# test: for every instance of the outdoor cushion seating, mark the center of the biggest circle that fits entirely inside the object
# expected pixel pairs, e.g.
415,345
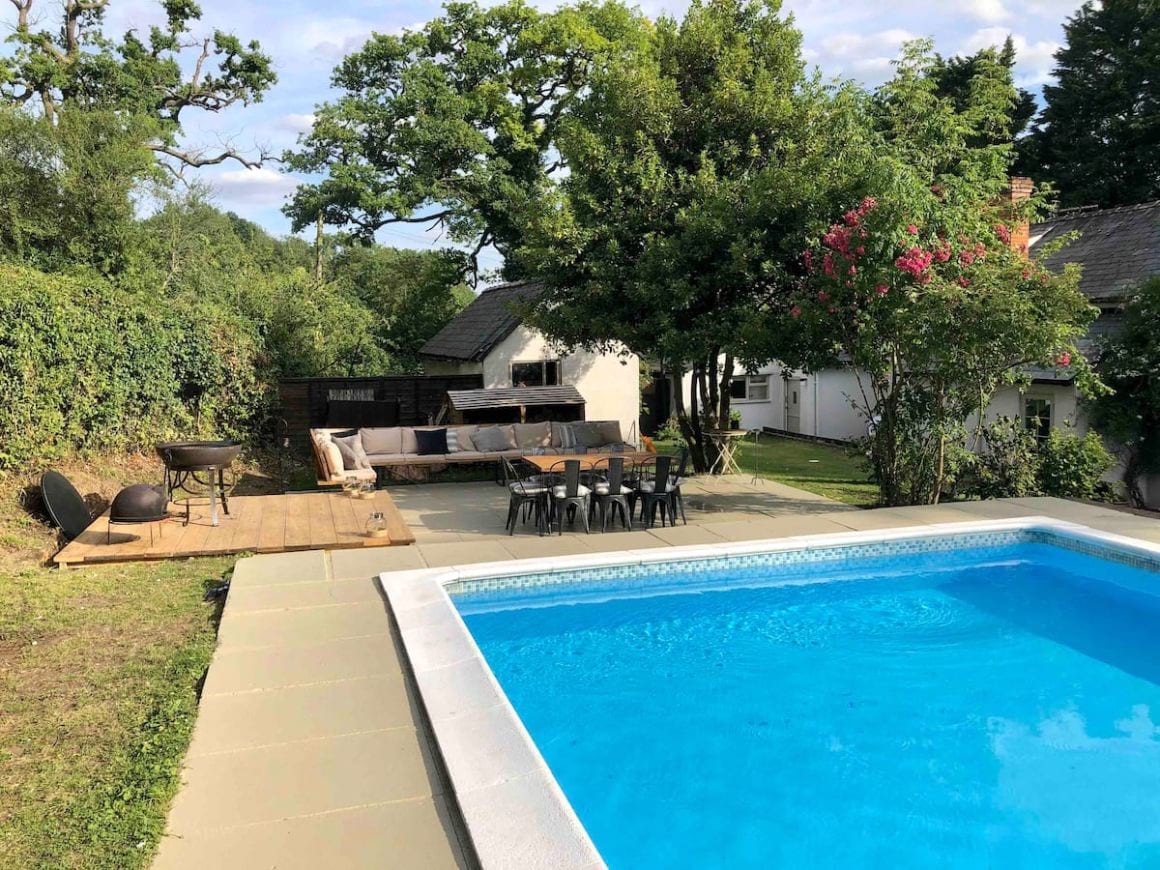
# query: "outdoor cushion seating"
353,455
398,446
560,490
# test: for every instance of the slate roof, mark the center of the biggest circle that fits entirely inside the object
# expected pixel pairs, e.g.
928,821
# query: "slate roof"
483,324
1118,247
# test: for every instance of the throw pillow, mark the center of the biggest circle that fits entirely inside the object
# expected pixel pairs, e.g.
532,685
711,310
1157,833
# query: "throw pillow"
353,455
532,435
609,431
385,440
331,458
587,435
567,437
431,442
494,439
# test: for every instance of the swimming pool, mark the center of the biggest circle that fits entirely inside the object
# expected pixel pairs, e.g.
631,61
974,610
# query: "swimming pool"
979,698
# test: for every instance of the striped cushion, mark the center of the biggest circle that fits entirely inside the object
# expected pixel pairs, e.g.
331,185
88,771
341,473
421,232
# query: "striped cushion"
453,441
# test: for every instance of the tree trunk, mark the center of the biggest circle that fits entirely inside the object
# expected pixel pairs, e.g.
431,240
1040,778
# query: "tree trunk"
688,420
726,399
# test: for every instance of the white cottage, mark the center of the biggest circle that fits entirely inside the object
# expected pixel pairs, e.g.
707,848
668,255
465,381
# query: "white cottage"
1118,248
488,338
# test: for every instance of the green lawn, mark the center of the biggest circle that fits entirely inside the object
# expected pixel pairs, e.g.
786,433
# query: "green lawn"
826,469
99,674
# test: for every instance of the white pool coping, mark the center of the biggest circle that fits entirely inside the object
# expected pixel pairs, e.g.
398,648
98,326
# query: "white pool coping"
515,812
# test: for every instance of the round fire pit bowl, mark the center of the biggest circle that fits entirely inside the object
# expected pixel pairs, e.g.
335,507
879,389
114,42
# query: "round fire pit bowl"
198,467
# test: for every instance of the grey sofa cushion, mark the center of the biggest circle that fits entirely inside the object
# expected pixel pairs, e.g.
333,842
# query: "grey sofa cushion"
493,439
563,437
459,439
587,435
382,440
532,435
353,455
610,431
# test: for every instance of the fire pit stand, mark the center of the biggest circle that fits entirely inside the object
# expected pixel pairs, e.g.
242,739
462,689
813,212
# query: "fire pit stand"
195,467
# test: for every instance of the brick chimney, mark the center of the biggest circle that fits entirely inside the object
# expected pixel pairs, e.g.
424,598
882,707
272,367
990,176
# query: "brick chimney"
1019,190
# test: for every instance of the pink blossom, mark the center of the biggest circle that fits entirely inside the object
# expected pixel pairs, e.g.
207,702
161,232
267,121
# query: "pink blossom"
915,261
796,311
808,257
828,265
853,270
967,258
823,296
937,190
1026,272
852,218
868,203
964,281
838,238
942,253
1003,233
1063,360
881,289
912,229
860,250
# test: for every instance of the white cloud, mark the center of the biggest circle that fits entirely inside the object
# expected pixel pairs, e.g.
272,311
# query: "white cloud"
867,53
987,10
333,39
296,122
254,187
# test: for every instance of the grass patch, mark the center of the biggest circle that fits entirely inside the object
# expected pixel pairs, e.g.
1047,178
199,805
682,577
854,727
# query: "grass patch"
100,669
99,674
825,469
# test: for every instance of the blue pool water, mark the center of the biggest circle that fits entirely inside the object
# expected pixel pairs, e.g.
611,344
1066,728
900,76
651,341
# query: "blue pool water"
994,707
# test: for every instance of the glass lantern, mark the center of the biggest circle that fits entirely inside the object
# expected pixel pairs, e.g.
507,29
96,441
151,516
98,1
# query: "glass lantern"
376,525
366,489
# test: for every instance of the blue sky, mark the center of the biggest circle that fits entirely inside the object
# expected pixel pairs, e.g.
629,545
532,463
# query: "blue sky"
848,38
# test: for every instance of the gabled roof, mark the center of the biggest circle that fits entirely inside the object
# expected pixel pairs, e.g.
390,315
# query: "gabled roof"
1118,247
483,324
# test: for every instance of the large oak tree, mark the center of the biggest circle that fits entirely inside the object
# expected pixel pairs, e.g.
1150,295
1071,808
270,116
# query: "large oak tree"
454,125
154,79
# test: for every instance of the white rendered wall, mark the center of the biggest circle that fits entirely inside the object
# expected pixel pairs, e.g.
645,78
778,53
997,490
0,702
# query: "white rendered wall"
610,384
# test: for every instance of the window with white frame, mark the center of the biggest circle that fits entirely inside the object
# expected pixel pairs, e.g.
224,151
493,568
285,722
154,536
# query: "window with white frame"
749,388
536,373
1037,415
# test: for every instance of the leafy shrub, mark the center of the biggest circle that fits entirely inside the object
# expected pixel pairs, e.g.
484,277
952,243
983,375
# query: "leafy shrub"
1008,465
85,363
1071,466
670,430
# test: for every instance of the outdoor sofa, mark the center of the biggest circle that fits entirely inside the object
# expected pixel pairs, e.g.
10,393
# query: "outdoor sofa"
367,454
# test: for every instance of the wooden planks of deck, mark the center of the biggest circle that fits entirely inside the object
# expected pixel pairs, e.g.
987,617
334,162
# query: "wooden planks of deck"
255,524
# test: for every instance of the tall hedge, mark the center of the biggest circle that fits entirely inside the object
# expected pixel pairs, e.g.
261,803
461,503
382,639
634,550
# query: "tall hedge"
88,364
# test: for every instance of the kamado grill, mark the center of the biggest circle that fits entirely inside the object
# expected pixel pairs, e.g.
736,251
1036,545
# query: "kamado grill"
198,467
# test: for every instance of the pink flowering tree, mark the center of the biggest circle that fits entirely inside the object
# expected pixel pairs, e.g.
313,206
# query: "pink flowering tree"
926,300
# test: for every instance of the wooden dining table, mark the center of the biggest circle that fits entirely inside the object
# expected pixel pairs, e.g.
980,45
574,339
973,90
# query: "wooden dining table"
545,462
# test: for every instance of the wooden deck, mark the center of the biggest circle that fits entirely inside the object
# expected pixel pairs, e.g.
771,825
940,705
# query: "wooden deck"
256,524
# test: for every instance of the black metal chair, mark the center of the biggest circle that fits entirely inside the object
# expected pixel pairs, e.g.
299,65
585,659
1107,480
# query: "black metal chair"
526,496
610,494
654,491
568,496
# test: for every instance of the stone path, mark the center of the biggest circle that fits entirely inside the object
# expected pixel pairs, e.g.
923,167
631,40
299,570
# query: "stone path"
310,749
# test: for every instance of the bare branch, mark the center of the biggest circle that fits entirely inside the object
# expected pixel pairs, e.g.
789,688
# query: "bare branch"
197,159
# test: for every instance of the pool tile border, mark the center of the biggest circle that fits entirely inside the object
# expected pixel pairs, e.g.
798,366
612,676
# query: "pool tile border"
492,760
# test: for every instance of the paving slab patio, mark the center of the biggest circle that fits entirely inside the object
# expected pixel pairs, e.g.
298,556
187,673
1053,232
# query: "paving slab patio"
311,747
